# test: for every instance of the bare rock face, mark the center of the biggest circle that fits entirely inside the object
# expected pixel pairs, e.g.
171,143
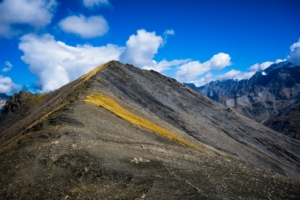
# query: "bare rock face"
15,108
17,101
120,132
287,120
265,97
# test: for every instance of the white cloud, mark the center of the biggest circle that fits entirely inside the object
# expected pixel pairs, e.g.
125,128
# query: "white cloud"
236,75
86,27
32,13
280,60
240,75
141,48
262,66
220,60
169,32
232,74
191,70
294,56
7,86
56,63
166,34
259,67
92,3
8,66
164,64
204,80
295,45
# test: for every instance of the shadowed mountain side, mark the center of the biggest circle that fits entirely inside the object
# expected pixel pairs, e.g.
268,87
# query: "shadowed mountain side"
287,120
88,150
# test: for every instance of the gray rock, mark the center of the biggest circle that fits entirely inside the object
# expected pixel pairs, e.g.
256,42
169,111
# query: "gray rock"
64,148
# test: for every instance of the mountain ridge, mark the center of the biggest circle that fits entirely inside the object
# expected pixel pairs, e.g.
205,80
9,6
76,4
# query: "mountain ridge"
78,149
264,96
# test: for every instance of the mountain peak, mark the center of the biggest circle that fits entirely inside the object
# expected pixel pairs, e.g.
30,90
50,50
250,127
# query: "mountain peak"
99,68
284,64
139,132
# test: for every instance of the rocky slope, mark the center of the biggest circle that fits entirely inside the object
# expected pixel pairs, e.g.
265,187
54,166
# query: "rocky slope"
287,120
16,108
120,132
265,97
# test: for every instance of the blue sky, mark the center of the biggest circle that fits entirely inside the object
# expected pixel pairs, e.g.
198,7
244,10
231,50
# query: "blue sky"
48,43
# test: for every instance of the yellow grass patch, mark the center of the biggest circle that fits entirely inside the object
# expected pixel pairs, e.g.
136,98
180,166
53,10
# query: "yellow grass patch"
115,108
40,96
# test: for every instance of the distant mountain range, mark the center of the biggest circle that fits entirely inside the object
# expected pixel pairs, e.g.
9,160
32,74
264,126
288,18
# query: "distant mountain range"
120,132
270,97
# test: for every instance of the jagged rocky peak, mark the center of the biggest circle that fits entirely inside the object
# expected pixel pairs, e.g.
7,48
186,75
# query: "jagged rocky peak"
125,133
280,65
17,100
285,73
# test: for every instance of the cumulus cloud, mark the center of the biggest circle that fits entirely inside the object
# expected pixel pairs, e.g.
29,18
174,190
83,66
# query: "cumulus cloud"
56,63
92,3
7,86
220,60
204,80
31,13
236,75
294,56
141,49
8,66
86,27
191,70
165,65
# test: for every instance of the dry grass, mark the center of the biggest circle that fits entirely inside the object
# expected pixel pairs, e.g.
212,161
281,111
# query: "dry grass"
39,97
92,73
115,108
